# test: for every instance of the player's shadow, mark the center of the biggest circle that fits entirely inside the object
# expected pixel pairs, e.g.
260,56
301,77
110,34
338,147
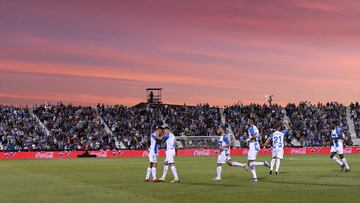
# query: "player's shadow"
266,180
212,184
280,173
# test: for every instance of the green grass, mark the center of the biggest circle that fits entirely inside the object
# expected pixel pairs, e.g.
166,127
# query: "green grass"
310,178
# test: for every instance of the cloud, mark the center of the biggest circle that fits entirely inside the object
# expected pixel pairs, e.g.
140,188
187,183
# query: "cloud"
233,50
85,99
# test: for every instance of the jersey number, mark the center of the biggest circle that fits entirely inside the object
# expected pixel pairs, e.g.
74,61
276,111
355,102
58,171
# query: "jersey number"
277,141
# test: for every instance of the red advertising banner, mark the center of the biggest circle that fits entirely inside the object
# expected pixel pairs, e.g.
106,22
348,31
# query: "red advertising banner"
182,152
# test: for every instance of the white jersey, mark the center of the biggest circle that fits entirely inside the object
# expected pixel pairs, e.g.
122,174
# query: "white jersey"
254,144
223,141
278,138
224,155
337,138
170,141
154,144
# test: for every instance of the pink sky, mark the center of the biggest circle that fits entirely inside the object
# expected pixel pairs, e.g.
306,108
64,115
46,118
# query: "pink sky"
220,52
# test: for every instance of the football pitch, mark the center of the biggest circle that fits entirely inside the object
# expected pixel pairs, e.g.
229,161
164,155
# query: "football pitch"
303,178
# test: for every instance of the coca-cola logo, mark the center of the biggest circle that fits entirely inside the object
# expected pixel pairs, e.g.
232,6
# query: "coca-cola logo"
348,150
201,153
145,153
100,154
44,155
298,151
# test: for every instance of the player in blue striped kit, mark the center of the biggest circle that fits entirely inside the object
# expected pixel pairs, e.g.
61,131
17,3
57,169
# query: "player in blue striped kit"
170,142
155,141
337,147
277,146
254,147
224,156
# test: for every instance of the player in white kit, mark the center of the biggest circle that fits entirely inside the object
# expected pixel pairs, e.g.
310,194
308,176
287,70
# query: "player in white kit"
224,156
254,147
337,147
155,141
170,142
277,146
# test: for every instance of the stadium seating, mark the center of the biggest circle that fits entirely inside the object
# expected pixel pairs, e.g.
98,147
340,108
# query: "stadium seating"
132,125
74,127
70,127
355,116
19,130
311,123
266,117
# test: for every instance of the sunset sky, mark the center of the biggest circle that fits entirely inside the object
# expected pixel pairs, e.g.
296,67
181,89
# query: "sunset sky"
220,52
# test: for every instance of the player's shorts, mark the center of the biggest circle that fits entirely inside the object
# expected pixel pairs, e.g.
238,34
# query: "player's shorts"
170,154
252,155
153,158
223,157
278,153
339,149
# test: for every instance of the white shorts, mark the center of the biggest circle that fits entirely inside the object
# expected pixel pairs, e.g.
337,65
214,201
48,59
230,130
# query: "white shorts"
223,158
278,153
252,155
153,158
170,154
339,149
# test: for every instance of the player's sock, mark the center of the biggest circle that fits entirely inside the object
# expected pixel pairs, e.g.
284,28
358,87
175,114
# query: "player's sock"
237,164
272,164
173,169
218,172
153,171
346,163
166,168
277,165
148,173
337,160
253,171
254,164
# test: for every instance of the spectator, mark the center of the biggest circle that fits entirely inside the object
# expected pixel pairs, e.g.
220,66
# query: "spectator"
355,116
266,117
74,127
133,125
311,123
69,127
19,130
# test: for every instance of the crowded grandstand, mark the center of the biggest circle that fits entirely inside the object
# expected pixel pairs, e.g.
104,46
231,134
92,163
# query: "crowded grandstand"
50,127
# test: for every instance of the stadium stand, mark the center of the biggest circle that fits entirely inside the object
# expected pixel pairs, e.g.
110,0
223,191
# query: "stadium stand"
69,127
266,117
132,126
311,123
355,116
19,130
74,127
